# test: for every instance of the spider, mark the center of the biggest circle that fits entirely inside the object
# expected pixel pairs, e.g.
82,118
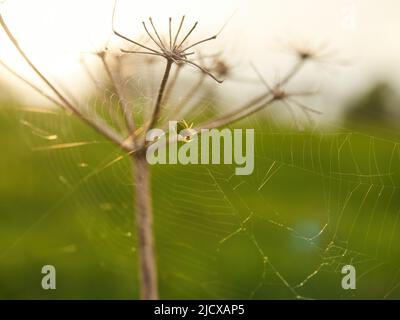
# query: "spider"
185,131
175,50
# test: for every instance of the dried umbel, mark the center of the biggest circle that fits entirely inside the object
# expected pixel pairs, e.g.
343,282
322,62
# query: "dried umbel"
175,50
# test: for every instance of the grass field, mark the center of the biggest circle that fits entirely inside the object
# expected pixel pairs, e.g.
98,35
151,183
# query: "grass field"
316,202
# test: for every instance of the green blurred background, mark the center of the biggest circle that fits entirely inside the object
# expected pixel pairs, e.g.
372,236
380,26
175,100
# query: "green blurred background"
319,199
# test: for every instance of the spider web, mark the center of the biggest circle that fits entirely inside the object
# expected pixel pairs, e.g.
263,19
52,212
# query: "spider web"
318,199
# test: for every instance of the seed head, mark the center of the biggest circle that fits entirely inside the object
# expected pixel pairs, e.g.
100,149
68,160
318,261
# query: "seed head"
176,49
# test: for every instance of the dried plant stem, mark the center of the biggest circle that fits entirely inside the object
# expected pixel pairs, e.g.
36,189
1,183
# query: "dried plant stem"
30,84
255,104
144,222
160,96
292,73
171,85
238,114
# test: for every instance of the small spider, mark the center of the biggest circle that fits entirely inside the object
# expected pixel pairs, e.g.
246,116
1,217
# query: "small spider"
173,50
185,131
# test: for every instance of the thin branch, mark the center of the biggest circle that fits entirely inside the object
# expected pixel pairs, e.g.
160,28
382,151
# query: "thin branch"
260,76
134,42
235,116
65,91
293,72
160,45
304,107
179,30
142,52
249,109
160,96
124,37
170,33
98,125
203,69
306,110
172,84
199,42
214,36
188,35
155,31
236,113
30,84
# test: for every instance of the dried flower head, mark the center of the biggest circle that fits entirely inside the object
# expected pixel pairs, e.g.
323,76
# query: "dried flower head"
288,99
176,49
307,51
221,67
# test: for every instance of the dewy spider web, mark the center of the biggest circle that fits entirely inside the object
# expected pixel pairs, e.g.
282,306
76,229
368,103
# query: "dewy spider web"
314,203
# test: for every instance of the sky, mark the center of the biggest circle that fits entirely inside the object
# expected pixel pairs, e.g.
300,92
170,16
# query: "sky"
360,33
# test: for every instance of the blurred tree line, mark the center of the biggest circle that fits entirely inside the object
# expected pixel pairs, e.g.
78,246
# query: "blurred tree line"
378,106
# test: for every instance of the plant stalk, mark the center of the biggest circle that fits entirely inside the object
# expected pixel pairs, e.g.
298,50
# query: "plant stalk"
144,223
160,96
